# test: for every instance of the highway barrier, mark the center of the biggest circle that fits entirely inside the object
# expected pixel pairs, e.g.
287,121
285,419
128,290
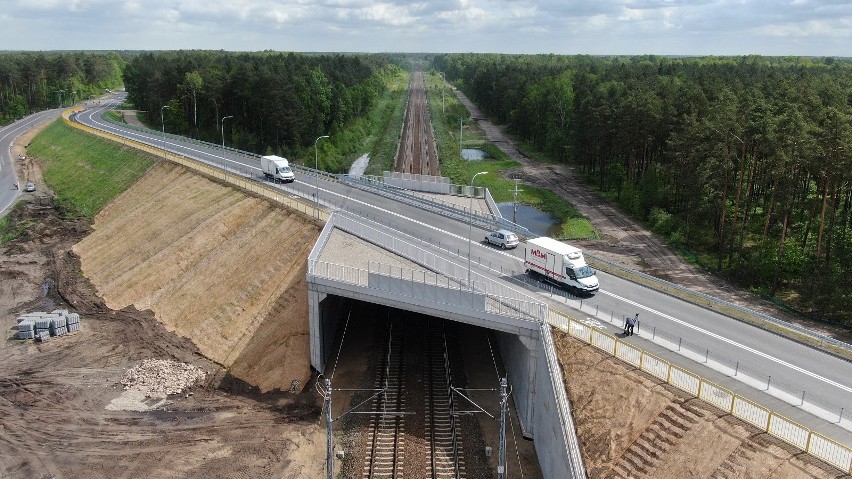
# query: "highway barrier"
248,183
761,320
791,432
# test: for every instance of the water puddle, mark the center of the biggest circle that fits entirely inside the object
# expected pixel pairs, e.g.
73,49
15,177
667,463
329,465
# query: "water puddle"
532,219
472,154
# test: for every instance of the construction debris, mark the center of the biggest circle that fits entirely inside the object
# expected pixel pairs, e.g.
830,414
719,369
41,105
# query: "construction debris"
155,377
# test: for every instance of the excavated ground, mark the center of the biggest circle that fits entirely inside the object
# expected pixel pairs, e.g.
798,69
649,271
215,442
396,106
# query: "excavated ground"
58,399
630,425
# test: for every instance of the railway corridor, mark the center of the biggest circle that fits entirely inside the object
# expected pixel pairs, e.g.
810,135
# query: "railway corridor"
412,428
417,152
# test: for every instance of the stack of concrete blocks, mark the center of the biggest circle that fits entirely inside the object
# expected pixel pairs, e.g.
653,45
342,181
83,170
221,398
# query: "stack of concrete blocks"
57,326
26,327
72,322
41,326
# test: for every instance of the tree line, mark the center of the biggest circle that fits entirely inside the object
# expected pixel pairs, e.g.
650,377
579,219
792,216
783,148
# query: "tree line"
278,103
745,160
35,81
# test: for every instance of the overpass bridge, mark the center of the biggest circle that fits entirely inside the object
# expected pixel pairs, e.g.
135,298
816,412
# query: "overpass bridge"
422,232
393,272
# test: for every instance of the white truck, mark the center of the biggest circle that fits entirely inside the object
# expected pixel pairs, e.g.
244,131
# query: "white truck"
277,168
559,263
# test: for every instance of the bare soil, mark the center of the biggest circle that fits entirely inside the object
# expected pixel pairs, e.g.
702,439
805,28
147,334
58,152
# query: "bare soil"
631,425
56,397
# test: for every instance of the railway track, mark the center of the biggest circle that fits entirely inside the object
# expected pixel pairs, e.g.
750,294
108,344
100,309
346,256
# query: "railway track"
417,152
386,437
424,441
446,459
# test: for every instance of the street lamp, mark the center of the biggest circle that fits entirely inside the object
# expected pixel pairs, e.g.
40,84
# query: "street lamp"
223,141
470,228
316,173
163,123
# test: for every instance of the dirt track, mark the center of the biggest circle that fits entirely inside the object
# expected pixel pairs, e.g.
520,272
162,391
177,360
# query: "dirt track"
624,240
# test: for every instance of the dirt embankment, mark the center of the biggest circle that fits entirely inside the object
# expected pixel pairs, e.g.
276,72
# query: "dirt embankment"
56,397
631,425
215,265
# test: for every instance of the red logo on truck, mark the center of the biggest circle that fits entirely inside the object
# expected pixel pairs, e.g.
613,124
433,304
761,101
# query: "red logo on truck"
538,253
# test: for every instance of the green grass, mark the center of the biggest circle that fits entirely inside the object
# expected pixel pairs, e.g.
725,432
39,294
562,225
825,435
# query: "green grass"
84,171
114,116
445,121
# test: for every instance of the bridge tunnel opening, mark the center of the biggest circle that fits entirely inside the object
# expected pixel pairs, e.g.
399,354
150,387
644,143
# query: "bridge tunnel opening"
425,387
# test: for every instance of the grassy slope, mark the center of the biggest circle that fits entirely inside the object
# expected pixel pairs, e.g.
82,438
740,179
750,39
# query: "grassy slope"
84,171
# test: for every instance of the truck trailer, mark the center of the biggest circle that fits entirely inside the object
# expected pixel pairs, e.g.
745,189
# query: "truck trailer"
277,169
560,264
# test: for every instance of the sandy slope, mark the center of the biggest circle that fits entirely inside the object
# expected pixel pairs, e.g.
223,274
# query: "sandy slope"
631,425
215,265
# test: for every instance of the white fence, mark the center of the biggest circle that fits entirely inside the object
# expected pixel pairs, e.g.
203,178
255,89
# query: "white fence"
791,432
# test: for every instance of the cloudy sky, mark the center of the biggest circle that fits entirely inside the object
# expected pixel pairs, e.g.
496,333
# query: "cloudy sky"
597,27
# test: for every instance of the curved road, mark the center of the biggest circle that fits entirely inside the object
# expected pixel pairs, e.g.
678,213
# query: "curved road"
8,135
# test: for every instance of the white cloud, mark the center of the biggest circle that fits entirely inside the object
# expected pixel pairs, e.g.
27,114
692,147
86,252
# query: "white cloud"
510,26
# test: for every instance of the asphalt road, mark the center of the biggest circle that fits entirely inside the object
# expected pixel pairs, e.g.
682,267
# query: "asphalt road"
8,134
768,363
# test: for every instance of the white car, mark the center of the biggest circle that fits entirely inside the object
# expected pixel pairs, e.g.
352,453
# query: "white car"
503,238
29,187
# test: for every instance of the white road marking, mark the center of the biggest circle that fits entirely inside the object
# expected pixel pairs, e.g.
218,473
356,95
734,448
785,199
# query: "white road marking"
732,342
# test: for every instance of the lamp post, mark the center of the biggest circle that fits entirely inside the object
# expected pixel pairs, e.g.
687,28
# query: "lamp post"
223,142
470,228
163,123
316,173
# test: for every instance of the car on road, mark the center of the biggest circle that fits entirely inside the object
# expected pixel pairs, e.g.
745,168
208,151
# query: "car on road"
503,238
29,187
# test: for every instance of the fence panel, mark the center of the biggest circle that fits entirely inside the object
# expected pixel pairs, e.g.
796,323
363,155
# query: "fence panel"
602,340
655,366
716,395
831,452
558,320
751,412
629,353
580,330
685,380
788,431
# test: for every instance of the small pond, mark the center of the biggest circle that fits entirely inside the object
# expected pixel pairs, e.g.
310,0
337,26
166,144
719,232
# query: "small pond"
472,154
532,219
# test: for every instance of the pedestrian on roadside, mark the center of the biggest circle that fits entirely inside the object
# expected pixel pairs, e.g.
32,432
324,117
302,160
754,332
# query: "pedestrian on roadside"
626,325
16,185
633,322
